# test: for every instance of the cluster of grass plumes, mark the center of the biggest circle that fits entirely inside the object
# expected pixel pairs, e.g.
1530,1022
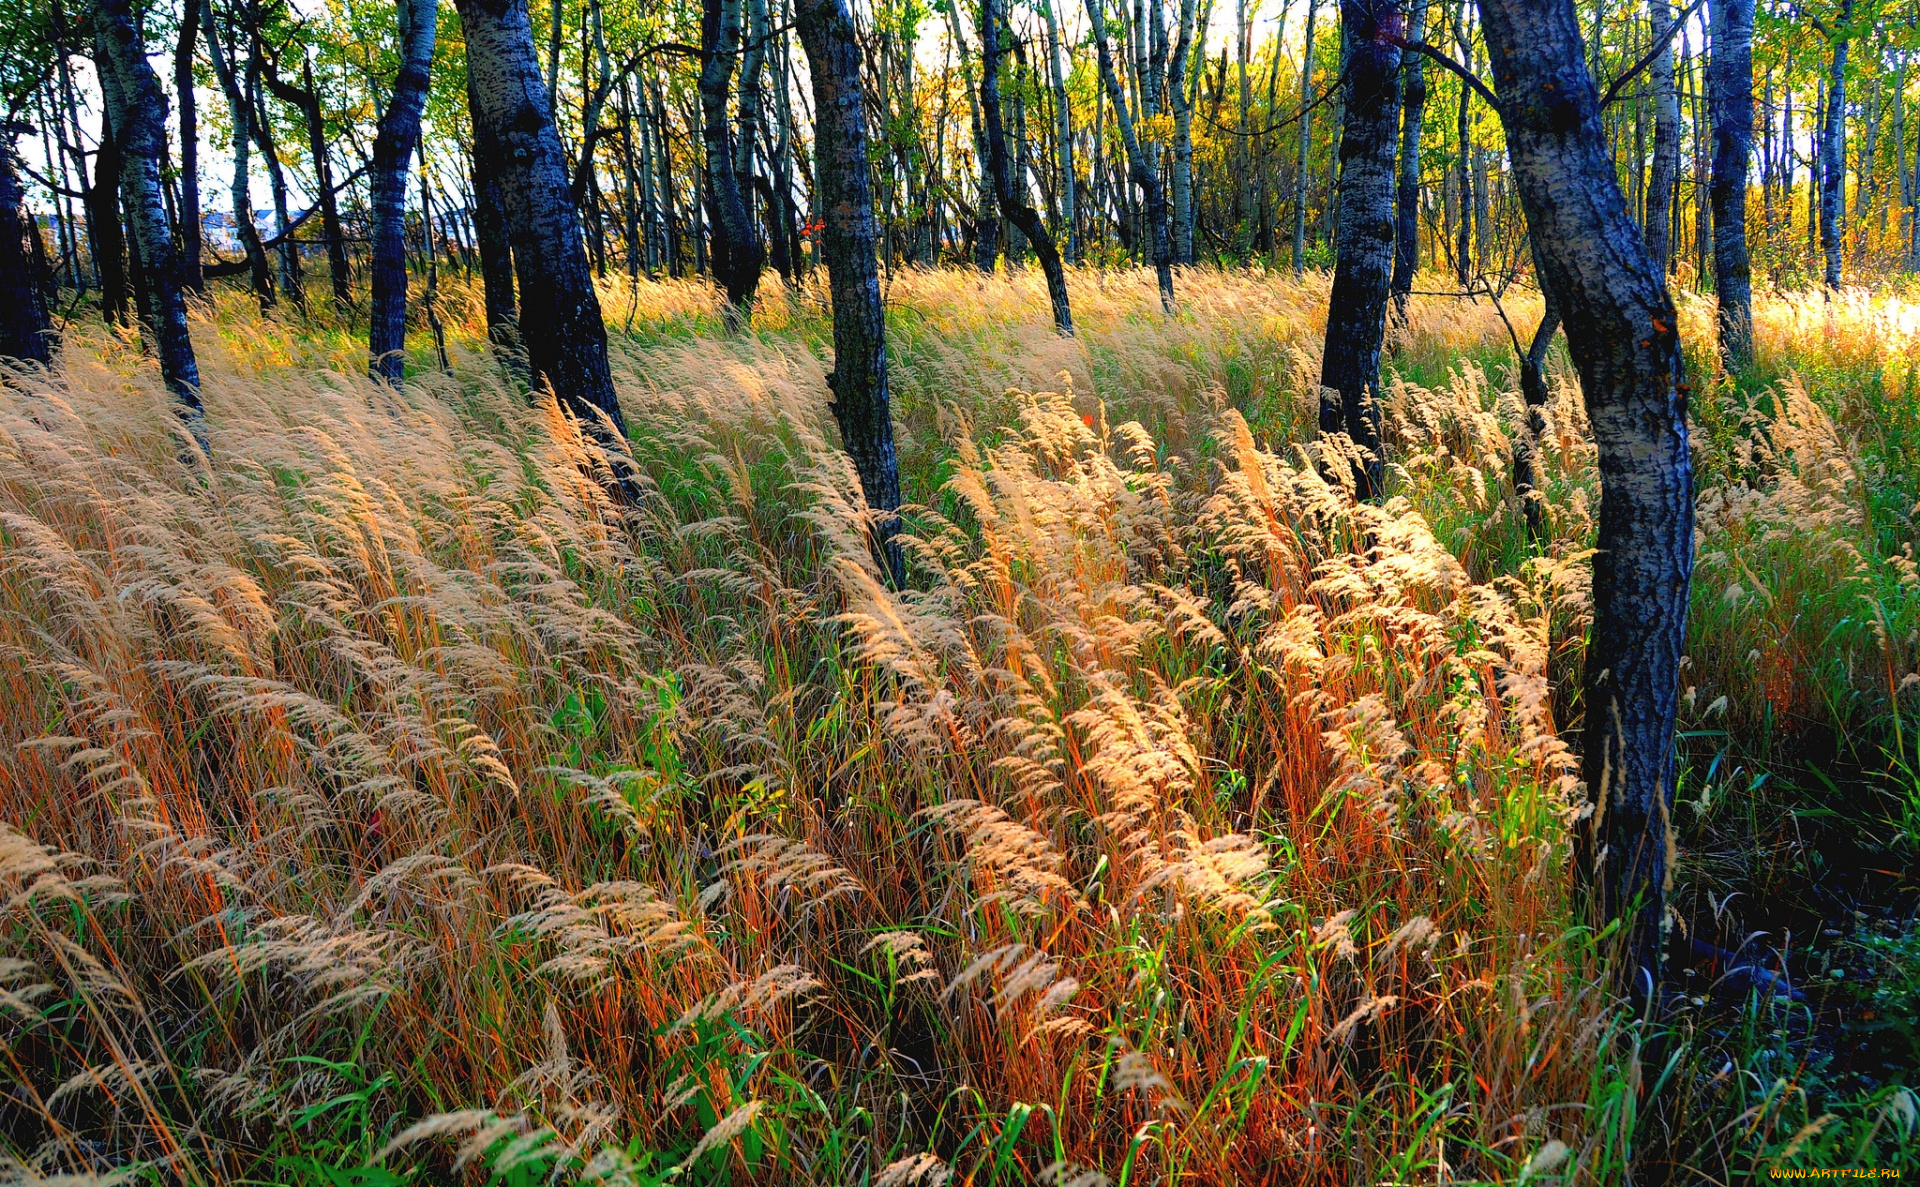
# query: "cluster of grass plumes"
383,794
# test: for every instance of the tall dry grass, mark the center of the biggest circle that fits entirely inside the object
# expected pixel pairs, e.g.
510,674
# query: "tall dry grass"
382,794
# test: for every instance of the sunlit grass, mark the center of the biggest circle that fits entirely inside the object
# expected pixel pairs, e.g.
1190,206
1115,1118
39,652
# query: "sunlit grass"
384,794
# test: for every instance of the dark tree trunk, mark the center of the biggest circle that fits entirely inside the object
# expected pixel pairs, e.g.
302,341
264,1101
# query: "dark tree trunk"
738,254
1144,173
1658,224
1363,250
515,141
192,273
1623,334
1534,398
26,324
104,232
496,253
139,110
387,180
992,25
1406,213
1730,79
1833,164
859,377
306,99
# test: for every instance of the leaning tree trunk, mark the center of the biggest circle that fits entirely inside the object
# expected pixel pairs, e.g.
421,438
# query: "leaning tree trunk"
26,324
1406,214
1833,164
737,252
1623,333
1363,248
1142,170
515,141
1657,228
1730,79
393,149
859,377
1013,204
138,110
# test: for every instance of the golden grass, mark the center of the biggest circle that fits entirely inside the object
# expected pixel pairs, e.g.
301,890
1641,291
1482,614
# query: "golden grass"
385,793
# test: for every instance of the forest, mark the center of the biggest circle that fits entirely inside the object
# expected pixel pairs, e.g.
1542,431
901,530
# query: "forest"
994,592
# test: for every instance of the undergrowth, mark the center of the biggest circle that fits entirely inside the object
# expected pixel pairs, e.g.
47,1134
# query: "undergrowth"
381,805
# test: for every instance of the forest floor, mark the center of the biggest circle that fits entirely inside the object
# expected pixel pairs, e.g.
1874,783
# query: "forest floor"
381,805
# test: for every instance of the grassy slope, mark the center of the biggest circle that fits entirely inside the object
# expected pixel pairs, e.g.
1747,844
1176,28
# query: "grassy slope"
1183,821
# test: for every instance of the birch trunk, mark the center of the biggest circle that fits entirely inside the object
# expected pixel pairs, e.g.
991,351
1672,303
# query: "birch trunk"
138,110
1666,141
26,324
516,142
738,254
858,380
1013,202
393,148
1730,80
1413,108
1622,330
1063,133
241,190
1145,174
1363,260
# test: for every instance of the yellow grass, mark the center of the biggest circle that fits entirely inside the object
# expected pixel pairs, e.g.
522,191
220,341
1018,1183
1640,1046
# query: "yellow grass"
1184,820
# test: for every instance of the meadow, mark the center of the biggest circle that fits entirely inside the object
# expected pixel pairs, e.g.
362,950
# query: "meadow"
380,804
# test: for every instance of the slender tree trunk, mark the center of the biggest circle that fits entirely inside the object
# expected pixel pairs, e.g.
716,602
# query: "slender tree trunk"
138,109
986,223
1180,98
241,190
1833,160
1243,128
1623,332
340,270
104,234
1666,142
1145,175
1527,475
26,324
992,26
1463,251
192,274
515,142
1306,145
289,251
1063,134
1730,78
858,380
1363,259
1413,110
738,255
1698,84
393,149
306,100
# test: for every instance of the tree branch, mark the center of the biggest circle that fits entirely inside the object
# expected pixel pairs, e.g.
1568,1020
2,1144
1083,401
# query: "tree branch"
1467,76
1659,46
